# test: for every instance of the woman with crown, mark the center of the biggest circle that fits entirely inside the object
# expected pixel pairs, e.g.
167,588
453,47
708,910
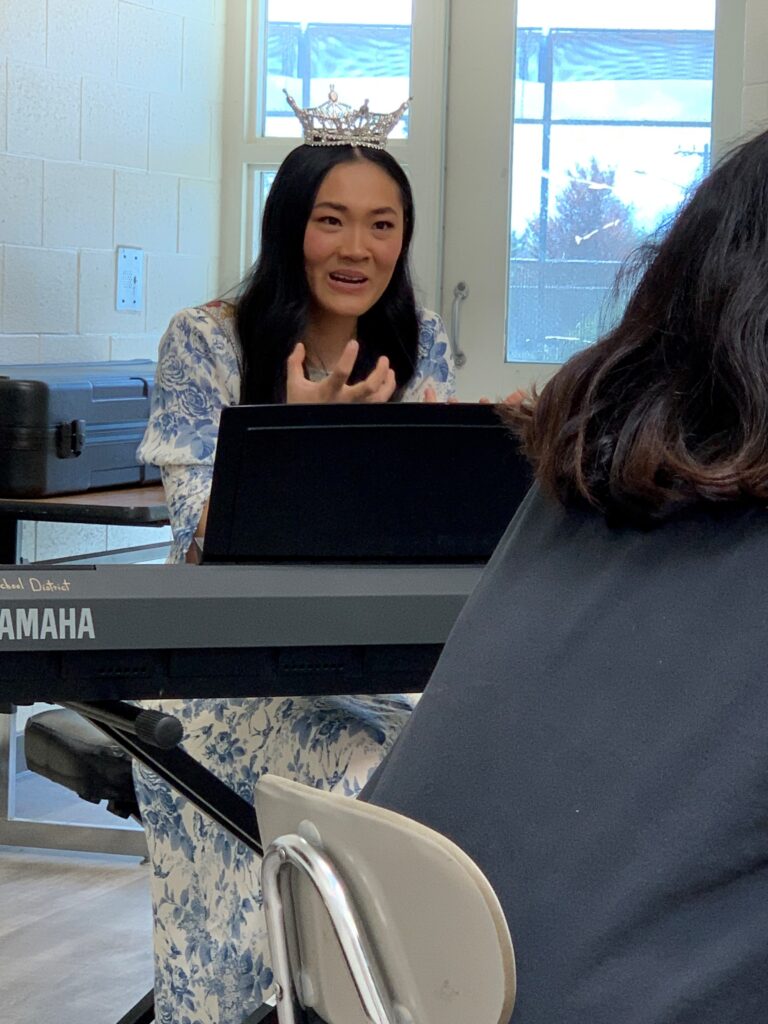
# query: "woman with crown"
327,314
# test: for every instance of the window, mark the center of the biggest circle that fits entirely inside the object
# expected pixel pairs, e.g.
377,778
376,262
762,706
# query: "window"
363,50
573,130
382,51
569,131
612,126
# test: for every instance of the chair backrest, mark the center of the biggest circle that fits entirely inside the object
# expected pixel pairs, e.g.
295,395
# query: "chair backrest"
433,923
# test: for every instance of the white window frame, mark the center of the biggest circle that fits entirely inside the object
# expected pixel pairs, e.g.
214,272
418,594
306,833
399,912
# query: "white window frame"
245,151
480,121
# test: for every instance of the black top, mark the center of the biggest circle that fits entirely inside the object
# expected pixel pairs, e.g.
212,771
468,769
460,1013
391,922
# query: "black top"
595,736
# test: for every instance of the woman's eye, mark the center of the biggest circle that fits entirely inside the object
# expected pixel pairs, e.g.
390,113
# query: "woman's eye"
329,219
383,225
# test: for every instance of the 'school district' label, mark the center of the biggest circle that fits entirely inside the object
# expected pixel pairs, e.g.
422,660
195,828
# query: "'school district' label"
35,585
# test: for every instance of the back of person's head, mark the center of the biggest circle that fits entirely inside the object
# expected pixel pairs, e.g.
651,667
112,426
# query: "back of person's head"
272,309
670,408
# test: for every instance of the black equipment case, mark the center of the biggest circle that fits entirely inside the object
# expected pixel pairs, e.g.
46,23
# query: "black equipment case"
68,427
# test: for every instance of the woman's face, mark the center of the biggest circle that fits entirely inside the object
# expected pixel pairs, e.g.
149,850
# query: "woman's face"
353,238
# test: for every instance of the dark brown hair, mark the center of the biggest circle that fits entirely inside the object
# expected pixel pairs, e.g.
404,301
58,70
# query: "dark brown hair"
272,308
670,408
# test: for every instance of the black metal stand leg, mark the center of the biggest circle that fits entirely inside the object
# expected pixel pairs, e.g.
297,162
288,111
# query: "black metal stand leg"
9,540
265,1014
121,722
207,792
143,1012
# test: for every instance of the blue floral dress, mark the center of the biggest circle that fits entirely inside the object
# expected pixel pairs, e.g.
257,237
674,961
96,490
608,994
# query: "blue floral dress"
211,954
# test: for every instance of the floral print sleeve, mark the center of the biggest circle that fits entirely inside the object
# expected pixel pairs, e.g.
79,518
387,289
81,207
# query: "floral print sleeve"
435,367
198,373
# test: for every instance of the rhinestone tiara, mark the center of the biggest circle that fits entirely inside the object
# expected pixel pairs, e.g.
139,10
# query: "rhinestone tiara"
338,124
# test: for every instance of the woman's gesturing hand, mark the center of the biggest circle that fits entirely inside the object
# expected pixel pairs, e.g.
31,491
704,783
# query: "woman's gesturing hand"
430,397
515,398
378,386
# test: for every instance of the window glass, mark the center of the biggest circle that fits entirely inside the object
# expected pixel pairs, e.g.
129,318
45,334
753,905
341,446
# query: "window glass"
261,184
364,50
612,127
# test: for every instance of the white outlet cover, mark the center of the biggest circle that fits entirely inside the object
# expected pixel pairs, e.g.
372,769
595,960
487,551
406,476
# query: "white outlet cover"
129,293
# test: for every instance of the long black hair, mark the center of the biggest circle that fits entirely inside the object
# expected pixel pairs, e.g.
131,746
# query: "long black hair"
671,407
272,309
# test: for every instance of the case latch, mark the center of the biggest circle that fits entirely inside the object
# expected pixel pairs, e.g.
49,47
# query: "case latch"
70,439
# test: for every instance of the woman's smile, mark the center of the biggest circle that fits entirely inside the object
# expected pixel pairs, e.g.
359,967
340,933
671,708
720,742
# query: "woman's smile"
347,281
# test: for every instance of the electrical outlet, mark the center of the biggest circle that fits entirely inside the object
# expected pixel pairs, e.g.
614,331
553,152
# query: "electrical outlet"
130,279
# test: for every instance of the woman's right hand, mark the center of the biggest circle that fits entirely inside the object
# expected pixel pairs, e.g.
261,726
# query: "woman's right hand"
516,398
378,386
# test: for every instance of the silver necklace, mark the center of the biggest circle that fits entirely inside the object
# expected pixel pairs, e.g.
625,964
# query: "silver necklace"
314,362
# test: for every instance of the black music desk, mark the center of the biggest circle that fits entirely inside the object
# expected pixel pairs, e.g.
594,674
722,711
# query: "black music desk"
126,506
132,632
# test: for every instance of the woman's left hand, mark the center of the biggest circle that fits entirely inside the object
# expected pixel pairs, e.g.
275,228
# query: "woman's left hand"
430,397
514,399
378,386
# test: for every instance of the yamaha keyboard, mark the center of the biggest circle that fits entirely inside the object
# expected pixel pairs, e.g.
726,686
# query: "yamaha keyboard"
141,632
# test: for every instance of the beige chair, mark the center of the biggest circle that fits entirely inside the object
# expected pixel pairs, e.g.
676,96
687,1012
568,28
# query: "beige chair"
376,919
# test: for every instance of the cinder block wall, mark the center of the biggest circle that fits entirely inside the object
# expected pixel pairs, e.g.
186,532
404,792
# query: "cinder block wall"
110,134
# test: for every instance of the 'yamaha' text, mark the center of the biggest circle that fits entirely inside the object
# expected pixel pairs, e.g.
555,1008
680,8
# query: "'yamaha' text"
46,624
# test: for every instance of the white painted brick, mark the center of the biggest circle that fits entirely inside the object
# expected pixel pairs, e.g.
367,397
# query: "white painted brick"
202,74
217,140
134,346
217,289
82,36
43,113
179,136
221,285
188,8
199,217
754,111
756,40
19,348
97,298
115,124
22,30
146,210
40,293
74,348
756,44
58,540
78,206
21,206
149,49
173,282
3,101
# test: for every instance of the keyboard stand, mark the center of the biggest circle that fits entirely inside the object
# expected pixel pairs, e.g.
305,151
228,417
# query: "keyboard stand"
119,721
175,766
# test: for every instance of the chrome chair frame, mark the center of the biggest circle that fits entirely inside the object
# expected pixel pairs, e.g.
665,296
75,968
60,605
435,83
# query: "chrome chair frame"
294,852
